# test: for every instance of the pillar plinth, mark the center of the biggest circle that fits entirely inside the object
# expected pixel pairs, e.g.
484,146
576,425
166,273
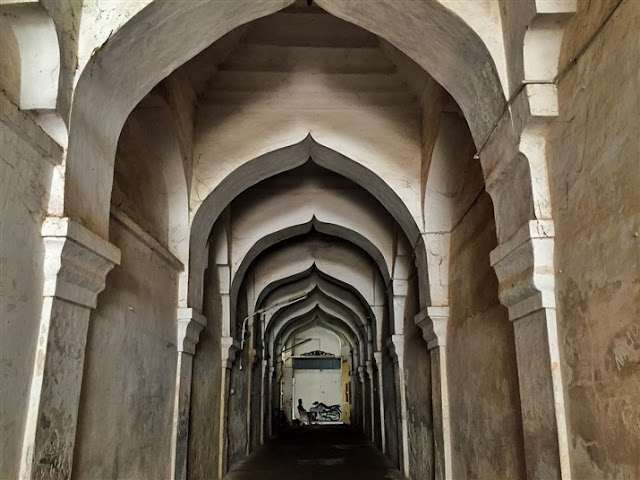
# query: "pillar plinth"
76,264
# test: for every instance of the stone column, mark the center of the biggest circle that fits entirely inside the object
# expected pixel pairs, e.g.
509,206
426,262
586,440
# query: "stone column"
271,392
228,349
263,399
433,322
396,349
76,264
372,398
254,358
190,324
362,373
525,270
378,358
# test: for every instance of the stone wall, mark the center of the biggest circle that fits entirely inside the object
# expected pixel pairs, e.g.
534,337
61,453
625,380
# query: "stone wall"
594,168
25,178
126,404
486,429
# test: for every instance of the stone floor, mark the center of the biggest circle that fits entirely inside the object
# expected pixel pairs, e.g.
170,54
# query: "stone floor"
316,452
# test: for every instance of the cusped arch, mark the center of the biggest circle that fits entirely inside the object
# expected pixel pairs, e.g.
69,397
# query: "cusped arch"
323,319
319,319
311,278
279,161
143,52
309,316
319,300
314,225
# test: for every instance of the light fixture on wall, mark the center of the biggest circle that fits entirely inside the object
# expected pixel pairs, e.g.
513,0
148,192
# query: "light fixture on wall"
283,303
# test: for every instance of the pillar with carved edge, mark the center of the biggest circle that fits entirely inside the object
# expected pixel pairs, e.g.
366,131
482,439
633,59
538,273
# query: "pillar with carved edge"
378,358
525,270
255,357
362,377
190,324
228,349
433,323
265,393
76,264
372,399
395,344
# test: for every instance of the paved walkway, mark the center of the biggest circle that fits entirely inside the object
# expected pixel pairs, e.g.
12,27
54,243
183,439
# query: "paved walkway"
310,453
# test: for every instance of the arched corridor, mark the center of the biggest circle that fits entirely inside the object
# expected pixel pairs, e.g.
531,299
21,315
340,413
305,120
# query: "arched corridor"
320,238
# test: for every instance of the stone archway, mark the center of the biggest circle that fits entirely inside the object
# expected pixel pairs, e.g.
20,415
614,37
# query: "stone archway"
90,165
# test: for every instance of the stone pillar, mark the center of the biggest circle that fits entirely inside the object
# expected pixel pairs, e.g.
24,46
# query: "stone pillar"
372,398
396,349
254,358
271,392
76,264
525,270
362,374
228,349
190,324
378,358
264,400
433,322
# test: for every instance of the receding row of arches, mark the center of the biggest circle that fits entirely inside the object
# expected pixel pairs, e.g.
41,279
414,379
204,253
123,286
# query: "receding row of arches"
285,169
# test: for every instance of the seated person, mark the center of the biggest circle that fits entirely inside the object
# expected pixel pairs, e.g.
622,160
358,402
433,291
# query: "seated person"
302,412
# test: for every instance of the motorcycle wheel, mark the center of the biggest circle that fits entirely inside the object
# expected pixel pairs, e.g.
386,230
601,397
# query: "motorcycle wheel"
334,415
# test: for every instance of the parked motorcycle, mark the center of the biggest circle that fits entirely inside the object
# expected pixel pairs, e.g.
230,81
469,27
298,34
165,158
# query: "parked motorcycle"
323,412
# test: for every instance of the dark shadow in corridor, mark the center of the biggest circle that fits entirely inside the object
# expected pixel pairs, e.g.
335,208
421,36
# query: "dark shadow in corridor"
316,452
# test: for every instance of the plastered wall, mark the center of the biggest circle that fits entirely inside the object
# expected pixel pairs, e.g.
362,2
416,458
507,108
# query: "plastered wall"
486,433
126,404
25,178
594,166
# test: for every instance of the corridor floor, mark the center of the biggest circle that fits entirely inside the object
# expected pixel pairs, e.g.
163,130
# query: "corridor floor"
309,453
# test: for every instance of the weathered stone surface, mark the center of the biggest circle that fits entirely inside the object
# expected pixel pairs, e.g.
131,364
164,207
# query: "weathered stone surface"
339,154
595,173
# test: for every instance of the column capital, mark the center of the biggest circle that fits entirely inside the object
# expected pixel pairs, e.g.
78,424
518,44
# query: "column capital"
433,323
378,358
229,346
190,324
370,369
525,270
76,264
362,371
395,345
76,261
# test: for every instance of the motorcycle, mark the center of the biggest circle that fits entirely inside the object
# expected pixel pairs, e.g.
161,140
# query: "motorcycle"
323,412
